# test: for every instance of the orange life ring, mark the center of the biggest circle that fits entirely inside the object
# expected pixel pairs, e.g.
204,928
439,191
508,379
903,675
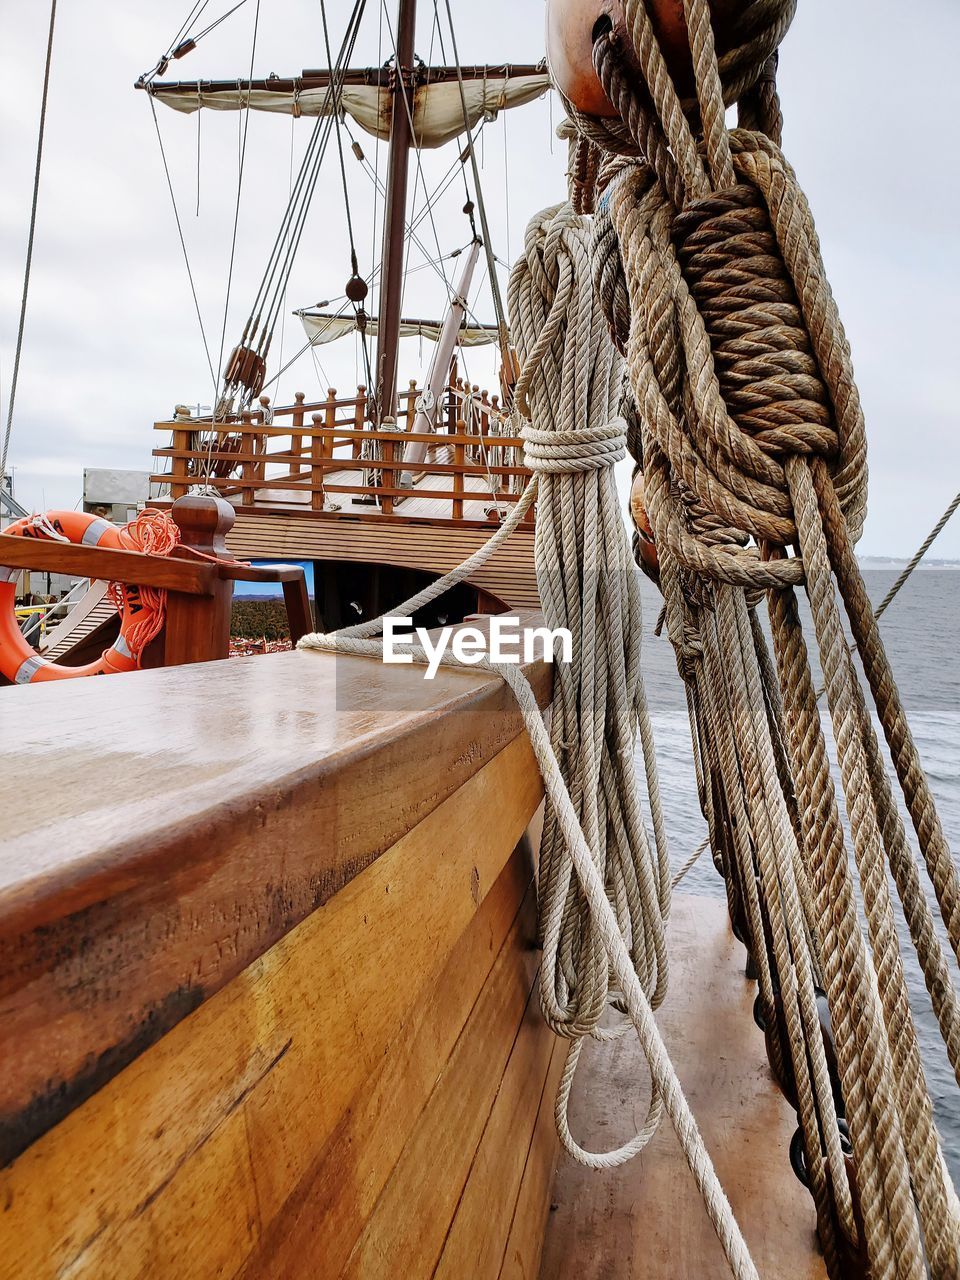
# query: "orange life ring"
18,661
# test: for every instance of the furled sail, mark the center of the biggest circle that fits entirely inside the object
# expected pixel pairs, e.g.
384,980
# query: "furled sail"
321,328
438,115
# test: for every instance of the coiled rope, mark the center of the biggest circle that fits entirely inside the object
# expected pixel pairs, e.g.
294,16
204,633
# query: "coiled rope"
604,892
155,533
752,442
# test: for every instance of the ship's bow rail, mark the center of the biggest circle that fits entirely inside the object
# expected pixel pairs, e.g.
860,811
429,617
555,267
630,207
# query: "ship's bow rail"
269,949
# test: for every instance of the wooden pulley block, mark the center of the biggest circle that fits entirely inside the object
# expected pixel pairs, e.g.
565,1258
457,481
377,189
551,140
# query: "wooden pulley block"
638,511
245,368
574,25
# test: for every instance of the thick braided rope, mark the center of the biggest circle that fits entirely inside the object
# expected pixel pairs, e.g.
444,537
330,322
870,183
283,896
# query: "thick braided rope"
795,967
742,378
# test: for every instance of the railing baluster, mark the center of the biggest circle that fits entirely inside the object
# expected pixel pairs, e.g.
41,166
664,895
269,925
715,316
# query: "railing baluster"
459,458
387,474
179,466
321,446
359,418
296,441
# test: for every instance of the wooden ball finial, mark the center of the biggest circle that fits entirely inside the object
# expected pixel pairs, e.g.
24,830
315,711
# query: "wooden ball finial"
574,25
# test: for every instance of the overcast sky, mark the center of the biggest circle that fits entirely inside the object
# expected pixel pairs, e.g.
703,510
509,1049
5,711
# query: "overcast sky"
869,89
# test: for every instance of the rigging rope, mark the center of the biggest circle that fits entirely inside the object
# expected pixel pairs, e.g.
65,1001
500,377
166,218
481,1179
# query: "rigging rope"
338,111
749,430
917,556
8,428
260,325
236,212
183,246
481,205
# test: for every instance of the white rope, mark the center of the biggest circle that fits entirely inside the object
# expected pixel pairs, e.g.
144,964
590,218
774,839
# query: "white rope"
604,893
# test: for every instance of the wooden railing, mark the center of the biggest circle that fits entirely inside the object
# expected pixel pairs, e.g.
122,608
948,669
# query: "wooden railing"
306,452
197,576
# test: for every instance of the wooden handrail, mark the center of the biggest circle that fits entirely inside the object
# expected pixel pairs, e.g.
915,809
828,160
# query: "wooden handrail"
197,578
328,463
167,573
345,434
386,491
140,877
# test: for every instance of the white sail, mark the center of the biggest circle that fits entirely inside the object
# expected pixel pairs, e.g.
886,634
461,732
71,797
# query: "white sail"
321,329
437,108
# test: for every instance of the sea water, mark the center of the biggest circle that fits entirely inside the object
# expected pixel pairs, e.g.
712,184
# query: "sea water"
920,631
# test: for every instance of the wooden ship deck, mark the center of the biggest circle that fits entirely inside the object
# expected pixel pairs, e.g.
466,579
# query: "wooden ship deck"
302,490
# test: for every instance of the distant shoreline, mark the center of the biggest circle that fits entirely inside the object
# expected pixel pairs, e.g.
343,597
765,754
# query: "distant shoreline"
896,562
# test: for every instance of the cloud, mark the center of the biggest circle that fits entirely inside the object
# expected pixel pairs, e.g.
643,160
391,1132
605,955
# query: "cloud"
112,339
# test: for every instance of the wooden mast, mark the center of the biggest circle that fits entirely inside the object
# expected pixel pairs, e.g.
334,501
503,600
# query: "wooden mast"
391,288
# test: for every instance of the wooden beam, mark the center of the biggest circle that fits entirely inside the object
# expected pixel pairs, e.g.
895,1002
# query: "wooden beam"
179,1164
212,837
395,212
320,78
168,573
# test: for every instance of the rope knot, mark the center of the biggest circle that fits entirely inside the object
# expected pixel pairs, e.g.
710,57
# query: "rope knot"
750,258
578,449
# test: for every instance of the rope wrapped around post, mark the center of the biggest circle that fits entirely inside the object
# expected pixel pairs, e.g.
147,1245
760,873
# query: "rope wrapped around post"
753,448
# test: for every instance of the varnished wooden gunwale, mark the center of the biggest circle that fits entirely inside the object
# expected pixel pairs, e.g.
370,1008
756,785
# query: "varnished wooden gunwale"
380,1022
344,1180
160,868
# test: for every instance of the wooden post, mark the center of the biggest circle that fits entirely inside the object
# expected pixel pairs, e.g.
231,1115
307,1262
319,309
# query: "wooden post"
331,413
411,403
451,398
248,470
299,612
266,418
388,476
317,453
391,277
296,441
359,417
198,627
179,467
459,458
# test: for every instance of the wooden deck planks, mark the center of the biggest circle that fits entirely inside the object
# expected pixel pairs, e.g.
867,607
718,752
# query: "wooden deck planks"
646,1221
314,1232
522,1251
478,1236
405,1233
371,538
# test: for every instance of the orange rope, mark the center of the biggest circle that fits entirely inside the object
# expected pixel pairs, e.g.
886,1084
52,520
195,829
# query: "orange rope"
156,533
